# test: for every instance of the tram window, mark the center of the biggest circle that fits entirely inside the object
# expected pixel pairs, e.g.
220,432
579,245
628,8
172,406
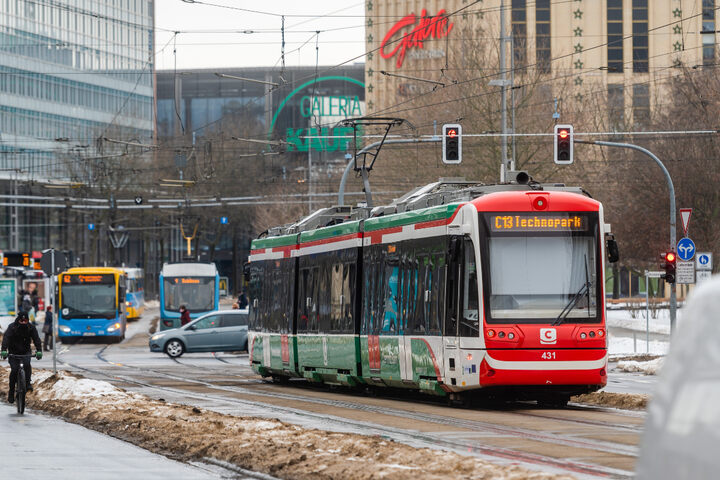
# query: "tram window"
336,298
312,295
437,303
348,325
390,290
469,325
255,289
302,308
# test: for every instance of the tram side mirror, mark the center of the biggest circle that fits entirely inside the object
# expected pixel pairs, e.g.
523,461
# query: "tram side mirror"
455,247
611,247
246,271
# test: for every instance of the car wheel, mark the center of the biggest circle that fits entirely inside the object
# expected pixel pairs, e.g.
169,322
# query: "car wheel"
174,348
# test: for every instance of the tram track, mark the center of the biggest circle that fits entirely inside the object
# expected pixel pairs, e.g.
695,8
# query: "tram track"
219,393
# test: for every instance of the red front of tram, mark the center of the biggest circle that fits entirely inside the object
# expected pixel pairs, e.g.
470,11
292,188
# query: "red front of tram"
542,263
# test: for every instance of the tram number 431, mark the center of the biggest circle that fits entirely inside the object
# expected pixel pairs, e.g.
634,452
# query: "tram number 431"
548,355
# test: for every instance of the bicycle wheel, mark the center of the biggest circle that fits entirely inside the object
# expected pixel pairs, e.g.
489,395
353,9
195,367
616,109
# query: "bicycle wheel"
20,391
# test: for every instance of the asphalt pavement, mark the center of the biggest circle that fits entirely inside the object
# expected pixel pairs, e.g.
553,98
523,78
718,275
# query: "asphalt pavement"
35,443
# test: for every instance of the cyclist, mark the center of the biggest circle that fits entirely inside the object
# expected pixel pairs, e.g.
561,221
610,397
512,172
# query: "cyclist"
17,342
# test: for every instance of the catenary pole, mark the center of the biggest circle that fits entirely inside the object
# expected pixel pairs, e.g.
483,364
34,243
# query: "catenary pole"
671,188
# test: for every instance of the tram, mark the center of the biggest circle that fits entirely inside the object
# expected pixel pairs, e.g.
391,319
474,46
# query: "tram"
134,292
92,303
456,288
195,285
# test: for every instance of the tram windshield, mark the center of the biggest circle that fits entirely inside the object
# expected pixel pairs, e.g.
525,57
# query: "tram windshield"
196,293
541,267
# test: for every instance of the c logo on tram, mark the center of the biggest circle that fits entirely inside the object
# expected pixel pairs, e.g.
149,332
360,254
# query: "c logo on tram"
548,335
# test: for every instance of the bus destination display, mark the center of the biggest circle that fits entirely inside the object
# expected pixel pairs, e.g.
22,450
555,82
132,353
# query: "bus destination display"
538,223
82,279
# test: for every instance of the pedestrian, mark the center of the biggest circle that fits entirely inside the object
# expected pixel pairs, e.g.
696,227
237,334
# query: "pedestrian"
242,301
184,315
48,342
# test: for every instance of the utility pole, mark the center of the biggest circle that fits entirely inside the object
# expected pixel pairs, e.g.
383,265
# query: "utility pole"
503,83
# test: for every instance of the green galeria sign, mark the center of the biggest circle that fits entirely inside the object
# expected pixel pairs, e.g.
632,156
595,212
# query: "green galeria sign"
326,111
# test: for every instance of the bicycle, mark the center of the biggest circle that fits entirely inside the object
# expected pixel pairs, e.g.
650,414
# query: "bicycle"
20,384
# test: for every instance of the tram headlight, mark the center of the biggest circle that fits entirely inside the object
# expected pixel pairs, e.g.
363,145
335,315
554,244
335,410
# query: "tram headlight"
64,329
601,333
583,335
491,333
511,335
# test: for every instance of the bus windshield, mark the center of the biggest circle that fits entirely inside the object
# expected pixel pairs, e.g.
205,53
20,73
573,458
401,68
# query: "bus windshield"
84,296
196,293
543,273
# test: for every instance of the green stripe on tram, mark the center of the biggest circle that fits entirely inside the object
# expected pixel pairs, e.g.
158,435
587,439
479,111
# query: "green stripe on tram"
268,242
441,212
330,232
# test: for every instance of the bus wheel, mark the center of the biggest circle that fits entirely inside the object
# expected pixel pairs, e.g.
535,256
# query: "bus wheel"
174,348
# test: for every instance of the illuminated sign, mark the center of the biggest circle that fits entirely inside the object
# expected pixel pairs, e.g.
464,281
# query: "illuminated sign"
405,41
82,279
187,280
536,223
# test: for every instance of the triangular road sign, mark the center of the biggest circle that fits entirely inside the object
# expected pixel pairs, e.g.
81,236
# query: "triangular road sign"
685,217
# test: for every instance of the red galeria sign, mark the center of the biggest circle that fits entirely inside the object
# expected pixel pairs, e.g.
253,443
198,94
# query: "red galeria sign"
402,38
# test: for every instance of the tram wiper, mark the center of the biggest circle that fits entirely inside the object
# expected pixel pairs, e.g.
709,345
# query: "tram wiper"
584,290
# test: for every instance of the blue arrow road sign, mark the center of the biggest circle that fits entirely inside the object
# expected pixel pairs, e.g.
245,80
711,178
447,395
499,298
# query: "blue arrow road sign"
91,226
224,220
686,249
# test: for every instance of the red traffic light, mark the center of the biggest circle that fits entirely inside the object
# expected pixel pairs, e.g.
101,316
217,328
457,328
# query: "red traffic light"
452,133
670,257
563,134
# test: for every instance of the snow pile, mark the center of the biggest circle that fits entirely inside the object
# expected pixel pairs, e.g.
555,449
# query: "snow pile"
187,433
152,303
651,367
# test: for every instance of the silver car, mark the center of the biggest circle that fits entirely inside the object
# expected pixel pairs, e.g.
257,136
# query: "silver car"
219,331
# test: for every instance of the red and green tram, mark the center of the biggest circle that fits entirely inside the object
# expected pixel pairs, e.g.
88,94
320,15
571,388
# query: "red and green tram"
453,289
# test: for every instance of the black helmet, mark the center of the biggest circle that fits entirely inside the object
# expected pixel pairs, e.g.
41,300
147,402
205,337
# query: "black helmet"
22,316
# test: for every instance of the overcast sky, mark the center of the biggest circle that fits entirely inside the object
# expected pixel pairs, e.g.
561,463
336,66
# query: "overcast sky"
218,33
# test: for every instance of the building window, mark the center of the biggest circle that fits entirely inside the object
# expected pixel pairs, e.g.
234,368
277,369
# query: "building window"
616,105
615,36
708,32
518,21
641,105
640,35
542,35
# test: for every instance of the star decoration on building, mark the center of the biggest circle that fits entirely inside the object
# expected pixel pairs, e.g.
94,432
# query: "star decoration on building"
677,29
578,64
677,46
677,13
370,56
578,81
479,14
370,72
370,88
578,32
579,97
369,5
677,63
464,16
578,13
578,48
371,105
370,38
369,22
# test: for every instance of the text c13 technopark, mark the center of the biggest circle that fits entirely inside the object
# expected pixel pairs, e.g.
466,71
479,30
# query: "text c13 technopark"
322,106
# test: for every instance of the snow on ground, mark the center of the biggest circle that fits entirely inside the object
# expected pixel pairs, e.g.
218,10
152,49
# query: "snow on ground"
651,367
188,433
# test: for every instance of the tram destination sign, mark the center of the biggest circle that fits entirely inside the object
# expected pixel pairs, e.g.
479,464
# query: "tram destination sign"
538,223
81,279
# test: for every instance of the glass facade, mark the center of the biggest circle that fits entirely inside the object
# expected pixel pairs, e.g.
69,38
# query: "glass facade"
640,35
615,36
542,35
518,27
72,70
708,32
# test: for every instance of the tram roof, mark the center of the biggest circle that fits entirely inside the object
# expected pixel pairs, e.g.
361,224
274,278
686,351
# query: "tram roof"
269,242
441,212
91,270
330,232
189,269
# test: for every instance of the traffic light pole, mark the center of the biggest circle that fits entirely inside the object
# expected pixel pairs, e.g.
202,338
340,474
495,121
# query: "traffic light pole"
671,188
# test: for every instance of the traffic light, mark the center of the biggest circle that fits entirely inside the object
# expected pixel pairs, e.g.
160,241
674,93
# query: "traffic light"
563,145
452,143
669,261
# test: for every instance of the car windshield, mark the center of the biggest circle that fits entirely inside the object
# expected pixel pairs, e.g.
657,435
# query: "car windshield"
542,275
196,293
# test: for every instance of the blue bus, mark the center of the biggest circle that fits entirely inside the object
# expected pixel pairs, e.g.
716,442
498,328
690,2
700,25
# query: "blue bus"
134,292
92,303
195,285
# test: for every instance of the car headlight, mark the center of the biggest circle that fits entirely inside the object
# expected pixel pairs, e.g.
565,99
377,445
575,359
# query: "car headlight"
157,336
65,328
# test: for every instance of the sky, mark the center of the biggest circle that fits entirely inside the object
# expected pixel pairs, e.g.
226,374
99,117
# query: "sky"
240,33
